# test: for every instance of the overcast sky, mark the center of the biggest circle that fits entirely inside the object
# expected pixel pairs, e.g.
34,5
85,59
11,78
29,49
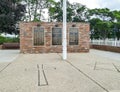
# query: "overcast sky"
111,4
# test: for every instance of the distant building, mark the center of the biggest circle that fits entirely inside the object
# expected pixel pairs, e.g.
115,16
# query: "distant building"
45,37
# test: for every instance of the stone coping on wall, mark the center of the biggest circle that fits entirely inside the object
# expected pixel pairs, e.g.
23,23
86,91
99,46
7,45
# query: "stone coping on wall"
56,22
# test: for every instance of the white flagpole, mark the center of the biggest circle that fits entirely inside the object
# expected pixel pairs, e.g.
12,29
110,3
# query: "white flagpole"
64,43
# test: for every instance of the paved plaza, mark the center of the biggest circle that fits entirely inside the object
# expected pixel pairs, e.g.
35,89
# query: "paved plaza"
97,71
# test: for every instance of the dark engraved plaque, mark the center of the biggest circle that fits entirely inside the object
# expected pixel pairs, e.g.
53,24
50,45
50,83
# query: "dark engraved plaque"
56,36
38,36
73,36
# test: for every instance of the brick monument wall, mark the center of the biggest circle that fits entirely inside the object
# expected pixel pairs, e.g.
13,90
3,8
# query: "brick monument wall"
26,38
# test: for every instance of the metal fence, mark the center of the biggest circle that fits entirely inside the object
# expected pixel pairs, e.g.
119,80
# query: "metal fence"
109,42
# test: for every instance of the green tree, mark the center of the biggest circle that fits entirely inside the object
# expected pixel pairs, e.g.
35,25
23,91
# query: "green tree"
35,9
104,29
116,15
116,30
94,32
56,12
81,13
103,22
11,12
103,14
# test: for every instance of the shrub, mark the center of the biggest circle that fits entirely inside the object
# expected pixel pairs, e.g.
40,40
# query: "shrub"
2,39
8,40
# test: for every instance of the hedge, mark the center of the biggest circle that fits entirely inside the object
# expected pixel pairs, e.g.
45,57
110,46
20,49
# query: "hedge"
8,40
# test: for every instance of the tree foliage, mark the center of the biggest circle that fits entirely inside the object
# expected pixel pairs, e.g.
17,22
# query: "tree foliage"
81,13
56,12
36,9
104,23
75,12
11,11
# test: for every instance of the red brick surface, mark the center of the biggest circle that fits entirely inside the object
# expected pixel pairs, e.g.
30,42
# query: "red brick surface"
10,46
106,48
0,46
26,39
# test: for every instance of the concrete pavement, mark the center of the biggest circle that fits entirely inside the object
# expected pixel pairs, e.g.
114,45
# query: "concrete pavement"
8,55
82,72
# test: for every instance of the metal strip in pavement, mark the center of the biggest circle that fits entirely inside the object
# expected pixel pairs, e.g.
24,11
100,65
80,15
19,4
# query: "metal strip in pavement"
116,67
106,90
5,67
38,75
88,77
95,65
44,75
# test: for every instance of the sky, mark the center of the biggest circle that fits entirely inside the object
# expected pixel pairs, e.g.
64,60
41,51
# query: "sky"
111,4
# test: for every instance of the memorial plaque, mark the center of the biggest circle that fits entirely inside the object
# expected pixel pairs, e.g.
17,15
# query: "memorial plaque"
56,36
38,36
73,36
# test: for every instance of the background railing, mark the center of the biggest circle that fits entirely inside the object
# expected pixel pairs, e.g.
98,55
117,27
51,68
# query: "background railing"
109,42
